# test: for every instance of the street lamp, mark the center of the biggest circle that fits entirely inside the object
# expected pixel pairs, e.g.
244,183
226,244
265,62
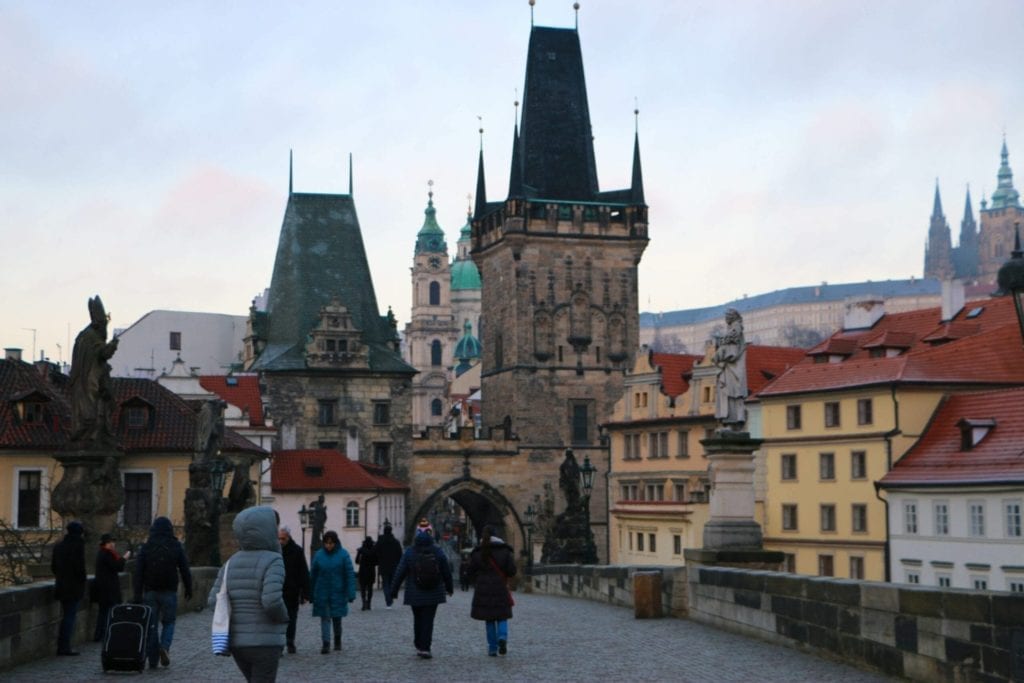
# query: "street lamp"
304,523
218,469
1011,278
587,471
530,514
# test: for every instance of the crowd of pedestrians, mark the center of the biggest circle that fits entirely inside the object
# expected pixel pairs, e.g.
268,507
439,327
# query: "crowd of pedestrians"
268,580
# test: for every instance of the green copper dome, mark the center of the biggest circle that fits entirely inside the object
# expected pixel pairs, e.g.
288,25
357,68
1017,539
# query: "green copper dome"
464,272
1005,194
468,347
430,238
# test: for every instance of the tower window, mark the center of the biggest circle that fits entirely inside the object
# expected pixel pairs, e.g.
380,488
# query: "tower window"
435,352
435,294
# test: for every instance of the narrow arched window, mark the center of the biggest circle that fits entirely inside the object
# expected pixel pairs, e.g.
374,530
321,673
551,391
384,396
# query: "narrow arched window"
435,407
352,514
435,293
435,352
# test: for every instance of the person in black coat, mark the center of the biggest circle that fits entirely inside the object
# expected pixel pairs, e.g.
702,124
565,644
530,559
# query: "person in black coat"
68,567
389,553
106,586
296,581
366,558
490,565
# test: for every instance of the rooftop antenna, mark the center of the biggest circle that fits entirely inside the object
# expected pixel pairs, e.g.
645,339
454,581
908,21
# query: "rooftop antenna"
289,171
350,174
576,8
532,3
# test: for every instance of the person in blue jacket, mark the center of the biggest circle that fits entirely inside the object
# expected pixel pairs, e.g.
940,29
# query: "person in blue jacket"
332,580
429,579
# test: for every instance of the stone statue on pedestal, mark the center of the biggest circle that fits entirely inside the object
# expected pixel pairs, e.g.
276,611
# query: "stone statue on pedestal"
730,357
570,539
202,503
241,494
91,490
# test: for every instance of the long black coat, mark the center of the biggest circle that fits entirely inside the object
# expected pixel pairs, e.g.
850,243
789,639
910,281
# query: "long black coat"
389,553
366,558
68,567
107,585
491,596
296,573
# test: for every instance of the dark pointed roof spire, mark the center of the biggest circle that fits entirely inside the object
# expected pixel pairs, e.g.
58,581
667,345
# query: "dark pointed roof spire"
937,206
481,188
515,176
350,174
1005,195
289,171
968,211
637,187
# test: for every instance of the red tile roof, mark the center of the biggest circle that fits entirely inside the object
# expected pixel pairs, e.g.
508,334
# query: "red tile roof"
242,391
171,426
675,371
992,354
298,471
765,363
936,459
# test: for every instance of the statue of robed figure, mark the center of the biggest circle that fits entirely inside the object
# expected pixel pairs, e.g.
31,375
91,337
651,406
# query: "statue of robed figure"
730,357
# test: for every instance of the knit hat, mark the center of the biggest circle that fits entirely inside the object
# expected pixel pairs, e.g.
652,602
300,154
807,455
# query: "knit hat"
106,538
76,528
425,527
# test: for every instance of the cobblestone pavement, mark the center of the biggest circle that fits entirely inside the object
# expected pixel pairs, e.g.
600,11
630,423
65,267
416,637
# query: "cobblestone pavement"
550,639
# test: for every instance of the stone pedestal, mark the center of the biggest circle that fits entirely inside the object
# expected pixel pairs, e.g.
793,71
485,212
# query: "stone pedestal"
228,543
731,525
91,492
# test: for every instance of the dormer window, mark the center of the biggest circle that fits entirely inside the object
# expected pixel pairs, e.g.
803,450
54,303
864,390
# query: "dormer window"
137,417
972,432
32,412
313,469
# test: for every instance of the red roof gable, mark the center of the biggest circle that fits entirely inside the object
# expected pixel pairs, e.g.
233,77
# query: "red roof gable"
765,363
170,426
992,354
675,370
326,470
242,391
937,458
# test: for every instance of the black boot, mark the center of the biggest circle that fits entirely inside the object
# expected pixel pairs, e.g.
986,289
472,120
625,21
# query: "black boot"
326,649
337,641
368,601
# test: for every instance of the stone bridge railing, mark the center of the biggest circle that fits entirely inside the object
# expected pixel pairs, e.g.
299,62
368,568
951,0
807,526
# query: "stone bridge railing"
30,616
925,634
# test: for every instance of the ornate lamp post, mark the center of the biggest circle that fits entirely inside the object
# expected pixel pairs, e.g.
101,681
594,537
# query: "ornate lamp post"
304,523
587,471
530,514
1011,278
318,520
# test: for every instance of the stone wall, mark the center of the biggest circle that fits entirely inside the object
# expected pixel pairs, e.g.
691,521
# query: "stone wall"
29,616
609,584
901,630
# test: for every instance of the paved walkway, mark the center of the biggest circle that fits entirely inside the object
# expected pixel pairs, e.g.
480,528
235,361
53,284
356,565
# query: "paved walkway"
551,639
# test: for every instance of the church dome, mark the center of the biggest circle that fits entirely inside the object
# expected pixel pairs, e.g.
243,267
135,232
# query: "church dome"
430,238
464,272
469,346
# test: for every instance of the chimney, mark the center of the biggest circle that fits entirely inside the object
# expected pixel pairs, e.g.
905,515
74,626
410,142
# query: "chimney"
952,298
12,354
862,314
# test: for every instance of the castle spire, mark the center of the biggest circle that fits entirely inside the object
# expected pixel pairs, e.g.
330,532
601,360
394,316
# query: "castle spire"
937,205
1005,194
481,187
637,186
515,176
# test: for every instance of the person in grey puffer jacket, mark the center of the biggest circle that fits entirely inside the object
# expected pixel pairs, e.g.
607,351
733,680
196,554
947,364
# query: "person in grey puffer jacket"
255,576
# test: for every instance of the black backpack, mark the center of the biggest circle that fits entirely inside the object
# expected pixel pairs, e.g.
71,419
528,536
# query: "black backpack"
161,570
426,571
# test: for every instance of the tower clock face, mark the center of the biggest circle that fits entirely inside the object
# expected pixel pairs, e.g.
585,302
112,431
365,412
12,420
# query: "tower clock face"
434,262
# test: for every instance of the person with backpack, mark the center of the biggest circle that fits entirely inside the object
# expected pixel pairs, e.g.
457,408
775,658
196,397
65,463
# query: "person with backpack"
68,566
429,579
366,558
333,584
389,553
490,565
106,586
161,559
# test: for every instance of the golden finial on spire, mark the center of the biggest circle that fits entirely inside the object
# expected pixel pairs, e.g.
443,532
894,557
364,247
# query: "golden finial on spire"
430,189
469,204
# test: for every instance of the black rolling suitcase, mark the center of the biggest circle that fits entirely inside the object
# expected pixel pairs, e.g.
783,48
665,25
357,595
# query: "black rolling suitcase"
124,645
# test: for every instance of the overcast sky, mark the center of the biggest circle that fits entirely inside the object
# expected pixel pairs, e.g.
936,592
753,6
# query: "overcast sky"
144,146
